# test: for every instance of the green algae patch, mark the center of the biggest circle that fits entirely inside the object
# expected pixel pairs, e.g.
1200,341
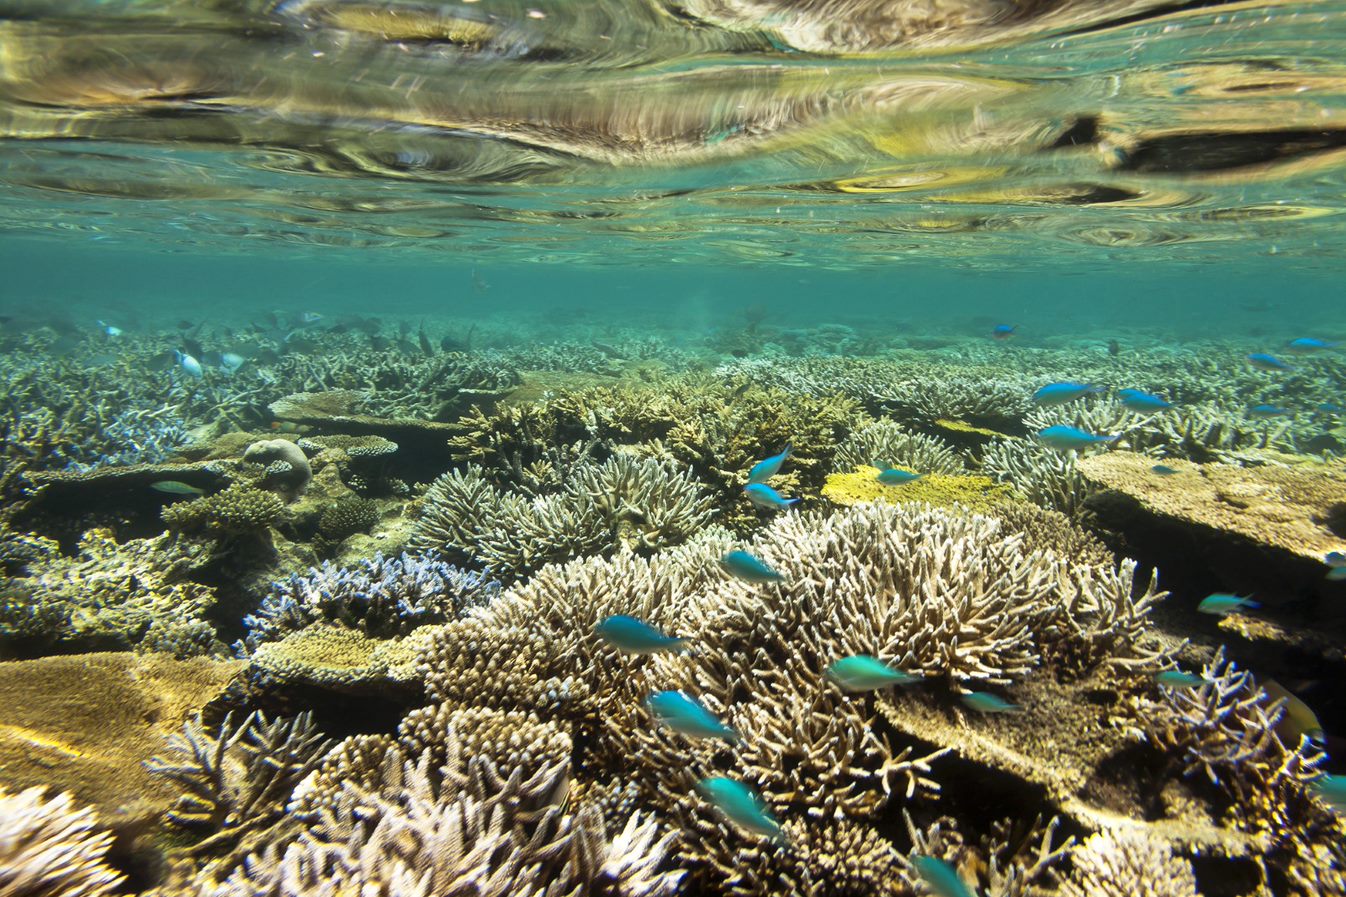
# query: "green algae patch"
977,493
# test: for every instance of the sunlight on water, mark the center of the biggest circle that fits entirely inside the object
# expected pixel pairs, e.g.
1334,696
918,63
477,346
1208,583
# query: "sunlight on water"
682,131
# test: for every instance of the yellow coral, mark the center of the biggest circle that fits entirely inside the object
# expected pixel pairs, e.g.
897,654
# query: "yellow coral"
976,493
962,426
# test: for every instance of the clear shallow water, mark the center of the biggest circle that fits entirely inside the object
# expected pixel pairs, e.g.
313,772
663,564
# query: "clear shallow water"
671,238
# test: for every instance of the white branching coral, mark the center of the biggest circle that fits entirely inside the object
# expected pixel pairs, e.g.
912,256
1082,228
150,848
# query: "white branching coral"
418,834
1128,864
50,849
641,503
886,443
1045,477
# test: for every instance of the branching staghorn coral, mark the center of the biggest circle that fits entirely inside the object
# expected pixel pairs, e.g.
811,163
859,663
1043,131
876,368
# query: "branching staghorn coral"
886,443
383,597
1124,863
1226,730
50,849
639,502
137,593
716,430
237,780
932,592
1045,477
418,835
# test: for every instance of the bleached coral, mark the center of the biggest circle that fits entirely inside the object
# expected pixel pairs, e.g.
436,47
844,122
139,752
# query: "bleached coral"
50,849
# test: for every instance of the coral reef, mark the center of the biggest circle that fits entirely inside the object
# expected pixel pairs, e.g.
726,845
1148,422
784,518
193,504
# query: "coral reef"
383,597
50,849
975,493
886,443
236,780
240,510
112,595
642,503
1124,863
1048,478
907,583
1295,509
347,516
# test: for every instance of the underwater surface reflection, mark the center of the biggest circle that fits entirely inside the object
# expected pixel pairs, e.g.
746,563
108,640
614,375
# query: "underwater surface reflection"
836,133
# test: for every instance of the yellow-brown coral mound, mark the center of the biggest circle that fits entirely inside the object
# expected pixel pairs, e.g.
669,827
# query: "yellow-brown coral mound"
1291,508
976,493
85,722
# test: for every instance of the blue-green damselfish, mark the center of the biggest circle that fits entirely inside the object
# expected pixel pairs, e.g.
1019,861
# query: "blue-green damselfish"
743,806
636,637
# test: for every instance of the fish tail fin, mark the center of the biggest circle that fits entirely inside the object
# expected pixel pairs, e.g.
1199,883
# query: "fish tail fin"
1251,603
793,501
681,644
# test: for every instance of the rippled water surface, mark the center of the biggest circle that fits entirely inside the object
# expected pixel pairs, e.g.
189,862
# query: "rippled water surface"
841,133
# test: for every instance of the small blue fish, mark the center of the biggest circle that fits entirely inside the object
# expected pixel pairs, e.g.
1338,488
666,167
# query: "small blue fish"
1263,412
1335,559
1331,790
1060,393
748,568
765,470
687,716
1066,438
230,362
1002,331
109,330
985,702
188,364
1180,679
1264,362
742,805
636,637
1330,408
894,477
1309,344
861,672
1336,574
311,317
763,496
1143,402
174,487
1164,470
941,878
1221,604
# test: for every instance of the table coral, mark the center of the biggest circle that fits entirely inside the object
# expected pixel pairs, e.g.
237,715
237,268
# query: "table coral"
1296,509
976,493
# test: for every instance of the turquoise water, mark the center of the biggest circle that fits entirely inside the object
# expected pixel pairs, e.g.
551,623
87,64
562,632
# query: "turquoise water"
366,363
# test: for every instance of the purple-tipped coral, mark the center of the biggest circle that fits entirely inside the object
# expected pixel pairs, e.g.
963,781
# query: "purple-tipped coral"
383,597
